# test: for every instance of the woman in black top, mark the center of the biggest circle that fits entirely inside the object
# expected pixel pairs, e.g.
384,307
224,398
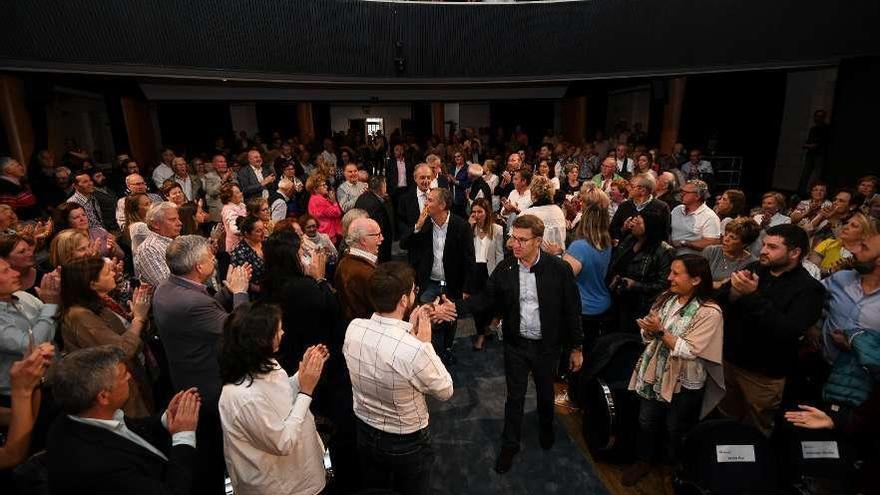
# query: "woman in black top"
639,267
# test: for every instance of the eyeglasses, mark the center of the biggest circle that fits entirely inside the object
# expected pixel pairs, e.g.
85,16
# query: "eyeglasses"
377,234
521,240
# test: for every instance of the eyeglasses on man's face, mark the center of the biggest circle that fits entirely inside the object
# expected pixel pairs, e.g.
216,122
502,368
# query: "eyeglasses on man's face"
521,240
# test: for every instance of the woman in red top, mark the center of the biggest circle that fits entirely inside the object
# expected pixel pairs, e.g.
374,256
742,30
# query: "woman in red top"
323,206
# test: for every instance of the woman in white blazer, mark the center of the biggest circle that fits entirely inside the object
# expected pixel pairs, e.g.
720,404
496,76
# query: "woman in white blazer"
488,251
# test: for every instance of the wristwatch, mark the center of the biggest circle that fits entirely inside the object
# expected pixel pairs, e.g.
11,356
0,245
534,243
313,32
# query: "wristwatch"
660,334
683,243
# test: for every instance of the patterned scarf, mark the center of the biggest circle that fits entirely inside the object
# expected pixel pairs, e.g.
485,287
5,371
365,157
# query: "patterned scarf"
649,382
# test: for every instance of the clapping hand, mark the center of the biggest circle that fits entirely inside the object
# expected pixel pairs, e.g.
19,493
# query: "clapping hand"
183,411
238,278
744,282
443,309
26,374
311,366
420,318
50,287
810,418
650,324
140,303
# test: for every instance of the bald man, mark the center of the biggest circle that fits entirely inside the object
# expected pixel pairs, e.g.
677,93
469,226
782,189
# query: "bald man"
134,184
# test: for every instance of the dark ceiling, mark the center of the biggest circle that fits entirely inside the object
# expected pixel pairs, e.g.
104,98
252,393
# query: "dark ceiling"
413,43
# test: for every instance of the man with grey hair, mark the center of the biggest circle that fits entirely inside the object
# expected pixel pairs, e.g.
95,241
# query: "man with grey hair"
694,225
94,448
164,223
349,217
373,201
667,189
641,198
349,191
134,184
351,279
190,323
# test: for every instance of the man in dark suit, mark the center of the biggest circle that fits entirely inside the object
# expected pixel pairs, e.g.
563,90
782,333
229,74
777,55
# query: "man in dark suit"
256,179
190,323
441,250
541,315
641,198
412,203
93,448
478,184
397,173
373,202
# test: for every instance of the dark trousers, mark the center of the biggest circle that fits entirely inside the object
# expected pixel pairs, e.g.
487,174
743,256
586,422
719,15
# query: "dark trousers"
401,463
209,475
674,419
522,356
443,334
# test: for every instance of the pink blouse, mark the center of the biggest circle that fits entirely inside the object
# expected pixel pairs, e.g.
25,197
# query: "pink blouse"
329,216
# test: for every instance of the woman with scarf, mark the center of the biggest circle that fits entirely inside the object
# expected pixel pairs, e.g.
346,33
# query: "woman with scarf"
678,378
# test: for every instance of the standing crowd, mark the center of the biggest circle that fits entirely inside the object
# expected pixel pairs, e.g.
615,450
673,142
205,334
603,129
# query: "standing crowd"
250,311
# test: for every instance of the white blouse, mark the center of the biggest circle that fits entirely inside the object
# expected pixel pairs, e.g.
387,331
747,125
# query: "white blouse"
270,442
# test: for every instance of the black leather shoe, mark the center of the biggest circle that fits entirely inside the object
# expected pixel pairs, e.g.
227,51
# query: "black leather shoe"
546,439
505,460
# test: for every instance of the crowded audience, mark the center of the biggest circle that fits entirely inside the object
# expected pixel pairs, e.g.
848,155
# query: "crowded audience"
247,311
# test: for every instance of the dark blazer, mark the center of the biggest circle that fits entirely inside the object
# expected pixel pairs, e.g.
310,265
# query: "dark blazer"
458,254
391,173
628,209
442,181
558,301
377,208
190,323
477,186
407,213
250,186
459,190
87,459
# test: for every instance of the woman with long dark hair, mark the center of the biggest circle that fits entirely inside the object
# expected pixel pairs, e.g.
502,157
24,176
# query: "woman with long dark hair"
270,442
90,317
639,265
294,279
678,377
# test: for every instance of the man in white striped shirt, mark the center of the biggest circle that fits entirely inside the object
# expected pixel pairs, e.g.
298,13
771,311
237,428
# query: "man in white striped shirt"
393,365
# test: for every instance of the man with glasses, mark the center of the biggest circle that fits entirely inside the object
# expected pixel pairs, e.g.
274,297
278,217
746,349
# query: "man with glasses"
541,315
694,225
351,279
641,198
134,184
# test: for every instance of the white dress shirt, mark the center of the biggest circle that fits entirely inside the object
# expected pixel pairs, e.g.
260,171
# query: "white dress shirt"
401,173
161,173
117,425
258,171
438,246
522,201
422,198
270,442
391,371
529,312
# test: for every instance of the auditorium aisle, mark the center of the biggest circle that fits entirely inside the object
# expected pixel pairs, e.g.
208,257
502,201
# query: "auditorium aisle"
467,429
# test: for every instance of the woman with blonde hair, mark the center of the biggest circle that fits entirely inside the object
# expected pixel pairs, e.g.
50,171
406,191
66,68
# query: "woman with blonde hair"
542,192
68,245
589,256
836,252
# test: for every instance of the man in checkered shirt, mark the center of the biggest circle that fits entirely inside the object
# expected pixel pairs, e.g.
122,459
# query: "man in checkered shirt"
393,366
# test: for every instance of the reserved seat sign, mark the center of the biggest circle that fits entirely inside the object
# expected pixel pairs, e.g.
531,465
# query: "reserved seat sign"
820,450
735,453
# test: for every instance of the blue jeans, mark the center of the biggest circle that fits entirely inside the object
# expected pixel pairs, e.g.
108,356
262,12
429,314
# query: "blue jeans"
395,462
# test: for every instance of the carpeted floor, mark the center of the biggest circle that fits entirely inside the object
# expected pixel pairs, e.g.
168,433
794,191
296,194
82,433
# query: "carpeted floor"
467,430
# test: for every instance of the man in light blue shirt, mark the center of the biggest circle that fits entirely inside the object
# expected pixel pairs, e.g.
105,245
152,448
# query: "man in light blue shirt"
853,299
